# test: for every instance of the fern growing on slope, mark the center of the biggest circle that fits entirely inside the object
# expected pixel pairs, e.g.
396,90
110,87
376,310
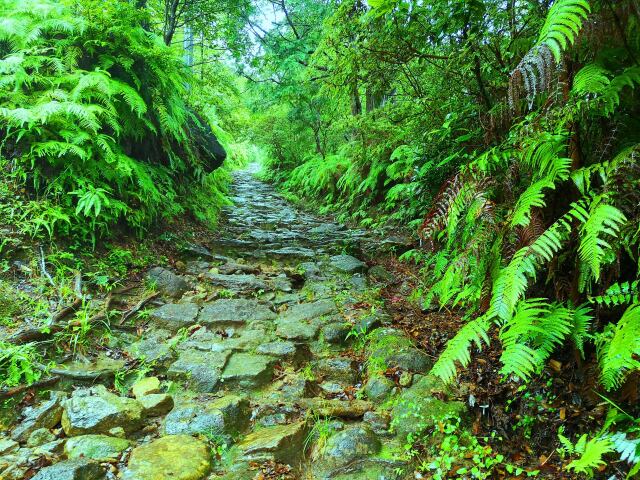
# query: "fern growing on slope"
618,348
559,31
94,113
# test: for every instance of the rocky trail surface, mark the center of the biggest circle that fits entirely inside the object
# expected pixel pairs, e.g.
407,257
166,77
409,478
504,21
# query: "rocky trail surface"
267,355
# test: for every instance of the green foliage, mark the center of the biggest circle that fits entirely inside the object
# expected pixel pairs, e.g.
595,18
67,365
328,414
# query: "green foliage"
19,364
95,118
618,348
564,22
590,453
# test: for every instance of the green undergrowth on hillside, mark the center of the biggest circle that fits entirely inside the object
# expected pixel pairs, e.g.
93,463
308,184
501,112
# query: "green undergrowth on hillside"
103,125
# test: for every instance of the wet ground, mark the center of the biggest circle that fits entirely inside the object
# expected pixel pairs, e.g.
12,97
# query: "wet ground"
266,355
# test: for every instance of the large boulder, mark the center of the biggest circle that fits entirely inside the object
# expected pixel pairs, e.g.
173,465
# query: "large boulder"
394,349
347,264
167,282
45,415
346,448
248,370
76,469
96,410
303,321
226,416
420,407
237,283
282,443
175,457
200,370
101,448
210,151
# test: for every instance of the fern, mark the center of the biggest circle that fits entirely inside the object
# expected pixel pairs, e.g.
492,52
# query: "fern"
563,23
531,334
559,31
618,348
602,221
619,294
457,350
591,452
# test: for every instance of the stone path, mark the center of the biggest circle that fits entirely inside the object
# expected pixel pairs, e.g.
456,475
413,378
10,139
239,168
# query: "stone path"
269,357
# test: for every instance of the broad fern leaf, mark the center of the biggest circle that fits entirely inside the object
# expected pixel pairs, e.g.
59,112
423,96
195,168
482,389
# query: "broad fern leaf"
562,25
618,348
591,452
458,348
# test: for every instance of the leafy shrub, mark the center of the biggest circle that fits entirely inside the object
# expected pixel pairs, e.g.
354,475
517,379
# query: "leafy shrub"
94,117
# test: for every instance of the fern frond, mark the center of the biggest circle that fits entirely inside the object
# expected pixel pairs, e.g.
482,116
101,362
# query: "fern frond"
618,348
458,348
562,25
603,221
591,452
619,294
532,197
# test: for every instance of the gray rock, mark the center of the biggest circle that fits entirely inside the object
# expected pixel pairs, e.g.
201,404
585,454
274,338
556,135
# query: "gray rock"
345,448
196,267
379,422
101,369
226,416
337,369
347,264
336,333
154,348
174,316
45,415
326,228
197,251
167,282
79,469
39,437
378,388
146,386
246,370
417,409
176,457
96,410
380,274
282,443
8,446
282,283
397,350
200,370
279,349
234,312
299,322
296,252
238,283
51,449
100,448
156,404
310,270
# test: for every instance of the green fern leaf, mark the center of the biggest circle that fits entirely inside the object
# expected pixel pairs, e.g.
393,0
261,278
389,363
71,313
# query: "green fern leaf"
458,348
618,348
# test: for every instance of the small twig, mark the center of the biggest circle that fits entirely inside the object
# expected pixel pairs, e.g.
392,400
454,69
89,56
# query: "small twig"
547,459
137,307
10,392
43,268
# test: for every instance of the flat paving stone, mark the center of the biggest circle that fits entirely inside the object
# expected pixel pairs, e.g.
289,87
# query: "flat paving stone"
247,370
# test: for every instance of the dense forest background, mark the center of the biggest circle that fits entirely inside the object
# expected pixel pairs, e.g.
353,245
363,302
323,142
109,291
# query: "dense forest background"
503,134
